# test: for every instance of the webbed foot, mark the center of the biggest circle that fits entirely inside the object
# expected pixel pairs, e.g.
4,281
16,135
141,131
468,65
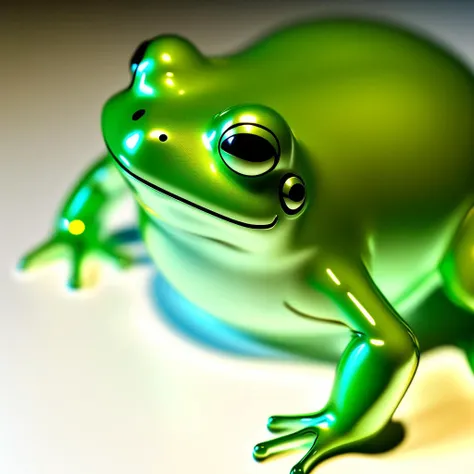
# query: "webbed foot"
322,437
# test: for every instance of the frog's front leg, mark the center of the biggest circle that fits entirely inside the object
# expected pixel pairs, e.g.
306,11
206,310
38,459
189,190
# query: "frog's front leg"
79,226
372,376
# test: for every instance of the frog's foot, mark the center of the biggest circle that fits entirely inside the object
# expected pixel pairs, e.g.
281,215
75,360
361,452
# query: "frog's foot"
78,278
59,246
321,435
388,438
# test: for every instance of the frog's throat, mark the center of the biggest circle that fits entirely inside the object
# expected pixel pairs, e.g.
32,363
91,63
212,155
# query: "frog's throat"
190,203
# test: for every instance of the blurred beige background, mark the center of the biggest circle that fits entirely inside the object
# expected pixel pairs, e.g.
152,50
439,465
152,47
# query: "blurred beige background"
97,382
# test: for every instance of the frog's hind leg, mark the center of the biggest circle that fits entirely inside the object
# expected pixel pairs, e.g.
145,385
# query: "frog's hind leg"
457,272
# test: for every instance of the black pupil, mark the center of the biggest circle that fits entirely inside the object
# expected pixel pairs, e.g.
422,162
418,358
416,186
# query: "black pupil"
296,192
139,53
163,137
249,147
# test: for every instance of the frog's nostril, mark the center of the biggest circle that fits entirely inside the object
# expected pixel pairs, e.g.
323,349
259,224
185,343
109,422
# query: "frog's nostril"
138,114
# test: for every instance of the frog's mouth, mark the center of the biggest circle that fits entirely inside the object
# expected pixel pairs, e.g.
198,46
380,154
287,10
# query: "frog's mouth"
193,204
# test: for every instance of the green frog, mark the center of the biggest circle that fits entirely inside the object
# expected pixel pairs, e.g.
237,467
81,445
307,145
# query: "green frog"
312,189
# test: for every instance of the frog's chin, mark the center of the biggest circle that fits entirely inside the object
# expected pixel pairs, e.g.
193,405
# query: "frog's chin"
248,225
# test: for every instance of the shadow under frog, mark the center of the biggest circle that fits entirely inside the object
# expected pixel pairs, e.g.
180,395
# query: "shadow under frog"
436,321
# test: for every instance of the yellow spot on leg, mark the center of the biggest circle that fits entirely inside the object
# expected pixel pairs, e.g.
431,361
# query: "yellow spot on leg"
76,227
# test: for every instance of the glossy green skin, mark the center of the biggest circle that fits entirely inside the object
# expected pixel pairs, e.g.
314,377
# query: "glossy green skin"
378,123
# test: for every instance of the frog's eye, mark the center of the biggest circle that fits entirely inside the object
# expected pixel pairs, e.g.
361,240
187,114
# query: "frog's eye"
138,55
292,193
249,149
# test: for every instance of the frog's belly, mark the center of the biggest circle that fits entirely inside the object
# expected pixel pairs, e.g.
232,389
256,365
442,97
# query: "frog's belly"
235,287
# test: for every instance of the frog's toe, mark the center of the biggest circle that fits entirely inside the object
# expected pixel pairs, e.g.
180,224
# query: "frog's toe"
279,423
298,440
324,447
298,469
36,256
75,280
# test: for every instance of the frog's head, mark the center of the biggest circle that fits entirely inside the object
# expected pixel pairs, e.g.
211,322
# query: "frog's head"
193,158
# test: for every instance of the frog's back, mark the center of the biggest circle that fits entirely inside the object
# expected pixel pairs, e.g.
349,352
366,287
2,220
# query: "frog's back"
366,99
351,85
386,117
294,60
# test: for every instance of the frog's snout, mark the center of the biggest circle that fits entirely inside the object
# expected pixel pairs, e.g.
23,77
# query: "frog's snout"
154,134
